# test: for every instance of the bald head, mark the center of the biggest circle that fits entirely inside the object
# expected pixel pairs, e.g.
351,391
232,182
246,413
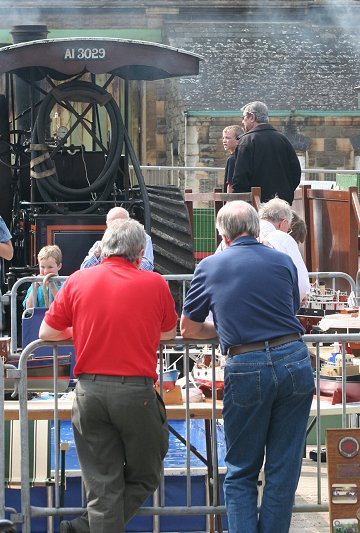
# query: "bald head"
237,218
116,213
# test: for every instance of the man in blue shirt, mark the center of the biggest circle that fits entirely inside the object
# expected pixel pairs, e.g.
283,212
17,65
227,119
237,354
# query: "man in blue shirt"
6,248
94,256
252,292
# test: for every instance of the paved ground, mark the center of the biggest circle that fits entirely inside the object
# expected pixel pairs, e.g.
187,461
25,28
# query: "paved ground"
307,493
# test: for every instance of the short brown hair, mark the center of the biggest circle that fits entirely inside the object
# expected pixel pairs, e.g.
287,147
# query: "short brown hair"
298,229
52,250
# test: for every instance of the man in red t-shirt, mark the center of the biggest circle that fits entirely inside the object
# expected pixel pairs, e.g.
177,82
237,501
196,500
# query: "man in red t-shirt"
117,315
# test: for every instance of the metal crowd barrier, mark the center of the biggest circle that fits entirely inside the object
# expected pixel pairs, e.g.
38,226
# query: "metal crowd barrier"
159,508
183,280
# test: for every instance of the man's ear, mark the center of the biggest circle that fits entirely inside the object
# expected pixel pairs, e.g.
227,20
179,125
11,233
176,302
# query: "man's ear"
138,259
226,240
59,266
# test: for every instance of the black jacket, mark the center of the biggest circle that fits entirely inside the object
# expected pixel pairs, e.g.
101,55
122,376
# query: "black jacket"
229,170
266,159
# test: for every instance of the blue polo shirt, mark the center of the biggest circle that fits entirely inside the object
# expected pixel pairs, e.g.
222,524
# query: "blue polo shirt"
251,290
5,234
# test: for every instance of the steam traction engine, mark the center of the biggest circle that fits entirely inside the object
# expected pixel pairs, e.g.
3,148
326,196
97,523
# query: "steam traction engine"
58,178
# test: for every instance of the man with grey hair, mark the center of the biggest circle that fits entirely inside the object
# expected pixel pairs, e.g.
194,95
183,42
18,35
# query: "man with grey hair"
265,157
94,255
276,214
253,294
275,223
119,422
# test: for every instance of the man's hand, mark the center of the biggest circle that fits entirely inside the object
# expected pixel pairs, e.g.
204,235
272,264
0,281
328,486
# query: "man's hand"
97,252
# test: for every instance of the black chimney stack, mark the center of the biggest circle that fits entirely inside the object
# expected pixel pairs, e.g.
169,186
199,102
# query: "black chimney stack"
26,96
25,33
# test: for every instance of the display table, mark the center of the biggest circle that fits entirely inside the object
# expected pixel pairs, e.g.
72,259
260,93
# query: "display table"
44,410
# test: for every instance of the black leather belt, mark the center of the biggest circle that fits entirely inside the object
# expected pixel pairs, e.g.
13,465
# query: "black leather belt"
258,346
142,380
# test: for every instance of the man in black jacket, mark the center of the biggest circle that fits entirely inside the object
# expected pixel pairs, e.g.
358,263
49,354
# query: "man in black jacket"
265,157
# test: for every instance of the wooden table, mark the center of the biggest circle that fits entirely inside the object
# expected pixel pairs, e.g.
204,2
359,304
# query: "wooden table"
44,410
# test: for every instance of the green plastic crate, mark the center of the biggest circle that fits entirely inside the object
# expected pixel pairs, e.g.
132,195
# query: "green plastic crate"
204,230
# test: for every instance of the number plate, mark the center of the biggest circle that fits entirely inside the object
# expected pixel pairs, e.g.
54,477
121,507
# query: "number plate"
84,53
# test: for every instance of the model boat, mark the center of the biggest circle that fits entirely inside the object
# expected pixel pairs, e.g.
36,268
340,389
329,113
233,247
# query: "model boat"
321,301
40,373
202,372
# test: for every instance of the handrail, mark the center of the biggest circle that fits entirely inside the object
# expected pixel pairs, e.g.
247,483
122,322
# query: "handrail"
331,275
221,169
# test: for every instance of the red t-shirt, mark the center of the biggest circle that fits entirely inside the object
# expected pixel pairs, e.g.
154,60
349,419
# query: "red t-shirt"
117,313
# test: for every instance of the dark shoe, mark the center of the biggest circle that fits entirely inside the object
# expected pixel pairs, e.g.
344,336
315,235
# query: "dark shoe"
66,527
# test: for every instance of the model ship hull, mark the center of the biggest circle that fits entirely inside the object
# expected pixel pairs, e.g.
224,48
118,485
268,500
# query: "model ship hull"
331,387
40,374
203,379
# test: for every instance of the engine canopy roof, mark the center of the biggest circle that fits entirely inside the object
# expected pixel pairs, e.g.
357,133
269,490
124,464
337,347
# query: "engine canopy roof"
62,59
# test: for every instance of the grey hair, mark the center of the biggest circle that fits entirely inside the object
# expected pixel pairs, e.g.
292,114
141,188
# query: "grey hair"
276,210
236,218
125,238
258,109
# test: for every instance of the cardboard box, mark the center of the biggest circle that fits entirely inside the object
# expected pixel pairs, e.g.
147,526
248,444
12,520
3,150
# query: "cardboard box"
329,370
171,397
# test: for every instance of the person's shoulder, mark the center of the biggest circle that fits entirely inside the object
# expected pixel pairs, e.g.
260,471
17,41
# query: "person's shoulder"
279,236
264,128
209,261
150,275
280,255
275,244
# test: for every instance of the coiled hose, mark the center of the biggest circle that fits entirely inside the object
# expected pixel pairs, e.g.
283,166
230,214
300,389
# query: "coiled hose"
43,167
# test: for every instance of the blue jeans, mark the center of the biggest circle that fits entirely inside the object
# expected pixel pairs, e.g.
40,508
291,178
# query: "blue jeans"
267,399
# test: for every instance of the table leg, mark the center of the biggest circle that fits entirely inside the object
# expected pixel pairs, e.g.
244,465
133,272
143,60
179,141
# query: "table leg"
215,520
